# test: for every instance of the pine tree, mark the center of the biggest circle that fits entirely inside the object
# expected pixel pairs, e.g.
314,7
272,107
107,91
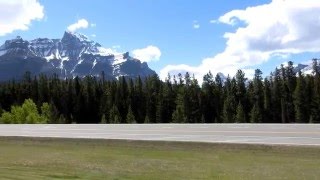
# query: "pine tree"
208,100
103,119
152,91
299,100
240,86
160,109
218,94
178,116
168,101
146,120
256,114
257,109
240,117
290,83
283,111
130,116
122,98
114,115
276,96
267,106
139,108
315,104
202,119
229,111
194,101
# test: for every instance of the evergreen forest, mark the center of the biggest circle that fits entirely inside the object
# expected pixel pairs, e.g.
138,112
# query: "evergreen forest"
284,96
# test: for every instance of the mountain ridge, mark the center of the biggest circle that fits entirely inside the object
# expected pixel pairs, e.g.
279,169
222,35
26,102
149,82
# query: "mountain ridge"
72,55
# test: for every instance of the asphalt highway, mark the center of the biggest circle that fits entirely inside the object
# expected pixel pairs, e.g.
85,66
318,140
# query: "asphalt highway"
270,134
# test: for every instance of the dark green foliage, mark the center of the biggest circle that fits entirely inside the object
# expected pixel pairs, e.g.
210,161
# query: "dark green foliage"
229,111
104,119
280,98
230,104
178,115
256,114
208,99
130,116
114,115
300,103
240,117
315,101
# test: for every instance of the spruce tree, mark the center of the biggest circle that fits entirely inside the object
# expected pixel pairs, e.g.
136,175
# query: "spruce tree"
219,102
104,119
208,99
146,120
299,100
178,116
240,117
229,111
267,106
194,102
290,83
315,104
140,101
130,116
276,96
257,109
114,115
283,111
256,114
168,101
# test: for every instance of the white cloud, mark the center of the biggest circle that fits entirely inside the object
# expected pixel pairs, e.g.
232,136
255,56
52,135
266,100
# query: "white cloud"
115,50
93,35
213,21
93,25
150,53
18,14
81,24
196,25
108,51
116,47
280,28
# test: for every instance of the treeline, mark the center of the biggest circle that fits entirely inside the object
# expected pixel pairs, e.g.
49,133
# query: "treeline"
282,97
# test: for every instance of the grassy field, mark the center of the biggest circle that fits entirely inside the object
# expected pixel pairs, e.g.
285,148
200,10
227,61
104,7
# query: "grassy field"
43,158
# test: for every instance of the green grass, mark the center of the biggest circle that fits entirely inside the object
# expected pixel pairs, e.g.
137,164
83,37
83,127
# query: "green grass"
45,158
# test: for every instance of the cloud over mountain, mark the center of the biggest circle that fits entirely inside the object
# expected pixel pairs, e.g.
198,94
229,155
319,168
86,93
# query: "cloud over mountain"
282,27
80,24
147,54
18,14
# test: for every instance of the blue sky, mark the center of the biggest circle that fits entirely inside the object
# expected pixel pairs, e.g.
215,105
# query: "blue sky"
189,34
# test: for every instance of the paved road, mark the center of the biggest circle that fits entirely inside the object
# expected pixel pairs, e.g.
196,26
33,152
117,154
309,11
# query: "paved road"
286,134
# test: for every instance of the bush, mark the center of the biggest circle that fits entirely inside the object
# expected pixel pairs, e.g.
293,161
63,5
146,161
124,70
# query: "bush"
27,113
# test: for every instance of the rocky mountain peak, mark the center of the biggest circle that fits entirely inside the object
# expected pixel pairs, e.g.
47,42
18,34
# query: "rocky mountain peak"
72,37
72,55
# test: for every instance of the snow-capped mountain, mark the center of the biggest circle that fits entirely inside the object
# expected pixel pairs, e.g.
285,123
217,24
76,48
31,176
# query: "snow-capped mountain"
305,68
73,55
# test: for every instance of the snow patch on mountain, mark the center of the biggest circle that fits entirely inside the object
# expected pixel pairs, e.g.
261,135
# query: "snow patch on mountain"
118,59
2,52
